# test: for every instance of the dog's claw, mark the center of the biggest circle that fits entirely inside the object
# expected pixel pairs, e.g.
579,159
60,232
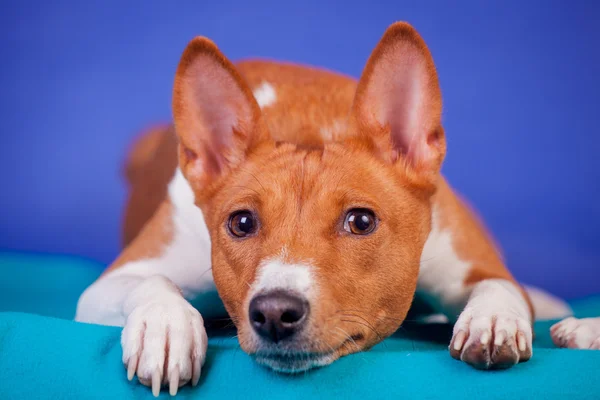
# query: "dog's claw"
459,340
131,367
174,381
521,341
156,383
197,367
500,337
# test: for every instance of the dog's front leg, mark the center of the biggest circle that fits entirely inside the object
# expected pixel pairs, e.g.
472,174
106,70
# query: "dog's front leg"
494,325
147,289
464,277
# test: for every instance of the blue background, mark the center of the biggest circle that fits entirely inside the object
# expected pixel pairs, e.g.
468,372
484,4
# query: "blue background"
520,82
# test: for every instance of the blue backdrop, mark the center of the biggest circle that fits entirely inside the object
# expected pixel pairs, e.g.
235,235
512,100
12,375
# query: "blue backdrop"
520,81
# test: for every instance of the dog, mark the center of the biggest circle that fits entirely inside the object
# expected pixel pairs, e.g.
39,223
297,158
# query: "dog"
311,208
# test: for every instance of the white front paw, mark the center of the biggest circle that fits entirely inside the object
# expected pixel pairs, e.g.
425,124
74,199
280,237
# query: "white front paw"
575,333
495,339
164,343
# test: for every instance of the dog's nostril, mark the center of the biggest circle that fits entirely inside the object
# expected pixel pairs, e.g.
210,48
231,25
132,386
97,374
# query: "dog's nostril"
291,316
257,317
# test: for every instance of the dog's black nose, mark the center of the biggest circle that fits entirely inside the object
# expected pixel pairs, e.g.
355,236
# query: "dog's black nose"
277,315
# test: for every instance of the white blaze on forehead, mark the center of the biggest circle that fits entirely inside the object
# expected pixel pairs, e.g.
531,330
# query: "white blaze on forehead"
277,275
265,94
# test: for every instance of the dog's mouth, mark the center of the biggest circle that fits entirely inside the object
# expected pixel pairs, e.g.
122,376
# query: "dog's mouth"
299,361
294,362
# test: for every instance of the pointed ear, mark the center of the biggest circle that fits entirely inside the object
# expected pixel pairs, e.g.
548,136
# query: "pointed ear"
217,119
398,101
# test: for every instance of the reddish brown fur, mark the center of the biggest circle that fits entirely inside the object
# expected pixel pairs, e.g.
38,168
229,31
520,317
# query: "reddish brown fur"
279,163
148,170
152,239
305,194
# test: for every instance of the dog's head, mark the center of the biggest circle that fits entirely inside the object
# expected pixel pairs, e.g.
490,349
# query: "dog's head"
315,251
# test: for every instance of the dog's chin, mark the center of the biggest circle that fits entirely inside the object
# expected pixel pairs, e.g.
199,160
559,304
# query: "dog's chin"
291,363
299,355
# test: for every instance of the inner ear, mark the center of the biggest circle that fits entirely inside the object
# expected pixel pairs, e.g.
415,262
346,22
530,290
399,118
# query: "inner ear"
398,100
216,116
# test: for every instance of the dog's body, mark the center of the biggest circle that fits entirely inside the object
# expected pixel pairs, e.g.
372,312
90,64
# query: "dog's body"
314,285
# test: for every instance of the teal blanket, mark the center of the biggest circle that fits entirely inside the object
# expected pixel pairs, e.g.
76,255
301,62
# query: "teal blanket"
49,357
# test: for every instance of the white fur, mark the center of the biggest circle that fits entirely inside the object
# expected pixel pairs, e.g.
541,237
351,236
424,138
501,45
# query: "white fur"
277,275
148,297
158,316
442,273
577,333
546,305
496,314
185,261
265,95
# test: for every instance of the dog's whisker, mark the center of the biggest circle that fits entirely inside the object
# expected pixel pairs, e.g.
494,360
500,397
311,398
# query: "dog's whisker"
366,322
348,337
382,317
202,274
429,259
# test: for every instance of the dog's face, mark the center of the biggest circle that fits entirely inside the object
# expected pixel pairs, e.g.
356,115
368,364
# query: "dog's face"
315,251
331,237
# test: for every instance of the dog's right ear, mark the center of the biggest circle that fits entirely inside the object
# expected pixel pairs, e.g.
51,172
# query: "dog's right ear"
216,116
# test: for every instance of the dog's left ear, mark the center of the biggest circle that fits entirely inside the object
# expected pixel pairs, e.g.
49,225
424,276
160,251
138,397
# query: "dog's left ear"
398,103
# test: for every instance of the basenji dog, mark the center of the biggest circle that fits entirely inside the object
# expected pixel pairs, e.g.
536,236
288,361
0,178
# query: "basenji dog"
312,207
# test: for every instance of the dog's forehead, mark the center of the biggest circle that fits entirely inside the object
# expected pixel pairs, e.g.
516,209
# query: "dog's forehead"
314,173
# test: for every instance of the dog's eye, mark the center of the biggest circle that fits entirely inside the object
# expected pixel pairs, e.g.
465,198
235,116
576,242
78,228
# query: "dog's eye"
242,223
360,221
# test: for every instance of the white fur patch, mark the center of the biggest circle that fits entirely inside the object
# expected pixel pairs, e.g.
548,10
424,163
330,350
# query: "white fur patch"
265,95
442,273
277,275
185,261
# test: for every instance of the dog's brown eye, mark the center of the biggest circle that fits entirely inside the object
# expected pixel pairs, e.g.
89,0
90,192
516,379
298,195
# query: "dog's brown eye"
242,224
360,221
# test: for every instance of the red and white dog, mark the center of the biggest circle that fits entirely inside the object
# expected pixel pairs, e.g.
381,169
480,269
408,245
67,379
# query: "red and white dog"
314,206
